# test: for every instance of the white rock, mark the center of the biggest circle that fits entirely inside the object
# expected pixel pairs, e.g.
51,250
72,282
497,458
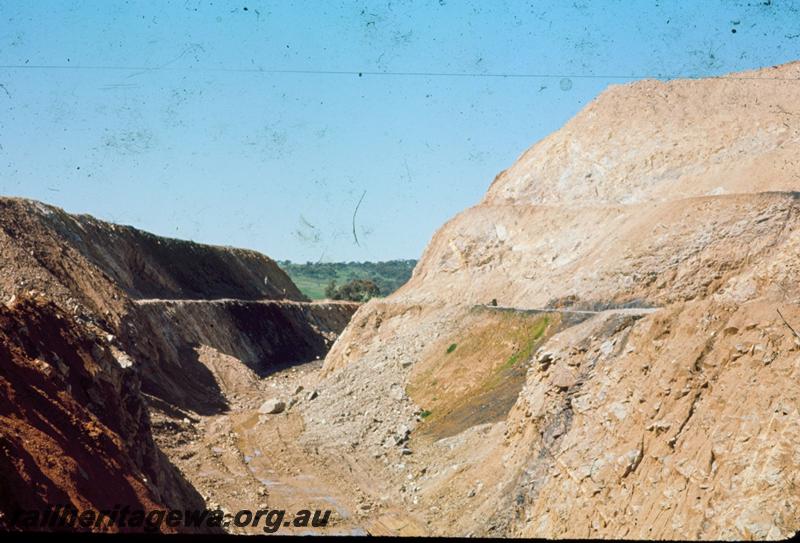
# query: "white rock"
396,392
124,360
271,407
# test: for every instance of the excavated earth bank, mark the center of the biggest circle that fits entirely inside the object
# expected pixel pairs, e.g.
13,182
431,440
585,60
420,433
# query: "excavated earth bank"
75,427
602,347
111,335
664,213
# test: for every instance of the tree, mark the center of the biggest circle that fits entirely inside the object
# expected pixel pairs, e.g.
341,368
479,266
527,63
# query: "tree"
359,290
355,290
330,290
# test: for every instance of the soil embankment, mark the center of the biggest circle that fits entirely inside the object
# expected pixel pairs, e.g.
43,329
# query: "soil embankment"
629,371
106,323
74,428
674,420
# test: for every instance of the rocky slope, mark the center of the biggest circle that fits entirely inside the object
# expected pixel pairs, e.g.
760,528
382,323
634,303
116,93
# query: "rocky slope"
86,262
74,429
138,287
105,323
263,336
602,347
665,216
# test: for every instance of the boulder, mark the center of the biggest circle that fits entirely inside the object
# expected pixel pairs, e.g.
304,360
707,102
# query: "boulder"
272,407
396,392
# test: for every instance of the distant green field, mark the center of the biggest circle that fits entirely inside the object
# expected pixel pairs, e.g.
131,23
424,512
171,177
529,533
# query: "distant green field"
312,278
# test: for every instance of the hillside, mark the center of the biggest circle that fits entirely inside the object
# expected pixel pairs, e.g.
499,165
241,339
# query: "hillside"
313,278
111,338
658,233
74,428
114,276
604,346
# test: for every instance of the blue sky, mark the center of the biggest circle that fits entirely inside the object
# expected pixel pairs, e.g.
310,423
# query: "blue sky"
207,120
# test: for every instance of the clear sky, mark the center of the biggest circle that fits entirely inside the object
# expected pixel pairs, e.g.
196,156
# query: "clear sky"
211,121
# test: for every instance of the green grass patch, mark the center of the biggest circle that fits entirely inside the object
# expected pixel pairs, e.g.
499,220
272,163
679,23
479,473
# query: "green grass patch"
425,414
485,377
535,334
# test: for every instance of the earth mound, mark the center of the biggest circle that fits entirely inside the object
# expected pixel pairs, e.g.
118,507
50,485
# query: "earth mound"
657,233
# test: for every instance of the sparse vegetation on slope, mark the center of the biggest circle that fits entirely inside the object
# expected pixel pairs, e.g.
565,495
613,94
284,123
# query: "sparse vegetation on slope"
477,379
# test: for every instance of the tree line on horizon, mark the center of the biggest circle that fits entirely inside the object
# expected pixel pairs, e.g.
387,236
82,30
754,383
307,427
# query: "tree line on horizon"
355,281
